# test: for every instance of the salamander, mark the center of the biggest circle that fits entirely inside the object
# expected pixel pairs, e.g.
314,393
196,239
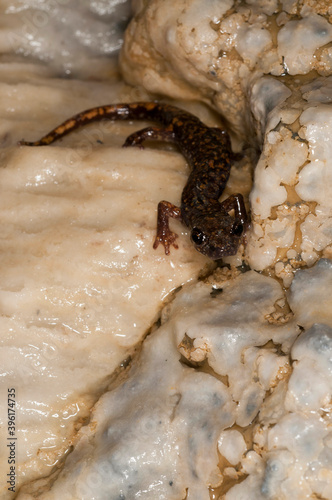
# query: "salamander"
214,231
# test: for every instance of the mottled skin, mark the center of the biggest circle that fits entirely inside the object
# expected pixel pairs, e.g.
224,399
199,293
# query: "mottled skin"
214,232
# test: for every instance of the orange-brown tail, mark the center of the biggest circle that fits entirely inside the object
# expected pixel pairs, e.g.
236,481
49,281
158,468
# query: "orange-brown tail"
132,111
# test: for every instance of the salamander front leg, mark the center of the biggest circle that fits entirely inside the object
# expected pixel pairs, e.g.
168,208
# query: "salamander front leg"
235,202
164,235
155,133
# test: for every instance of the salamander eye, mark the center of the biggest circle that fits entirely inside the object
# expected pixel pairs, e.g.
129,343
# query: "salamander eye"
197,236
237,229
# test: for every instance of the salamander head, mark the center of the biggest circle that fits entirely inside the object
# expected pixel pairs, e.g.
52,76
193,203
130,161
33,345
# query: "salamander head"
218,237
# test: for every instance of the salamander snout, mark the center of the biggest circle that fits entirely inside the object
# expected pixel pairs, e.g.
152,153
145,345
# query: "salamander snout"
219,242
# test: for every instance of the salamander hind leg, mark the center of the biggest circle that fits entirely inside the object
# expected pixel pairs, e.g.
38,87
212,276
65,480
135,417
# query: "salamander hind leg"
164,235
154,133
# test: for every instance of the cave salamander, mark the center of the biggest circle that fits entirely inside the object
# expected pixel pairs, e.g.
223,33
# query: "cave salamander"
215,232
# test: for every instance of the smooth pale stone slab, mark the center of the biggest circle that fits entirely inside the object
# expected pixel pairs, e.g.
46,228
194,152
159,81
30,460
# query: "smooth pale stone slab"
80,282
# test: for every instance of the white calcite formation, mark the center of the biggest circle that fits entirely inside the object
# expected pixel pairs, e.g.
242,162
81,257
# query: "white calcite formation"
218,51
291,202
127,387
80,283
156,435
265,66
66,38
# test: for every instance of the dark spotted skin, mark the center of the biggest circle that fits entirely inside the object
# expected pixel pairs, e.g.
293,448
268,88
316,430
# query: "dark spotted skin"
214,232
